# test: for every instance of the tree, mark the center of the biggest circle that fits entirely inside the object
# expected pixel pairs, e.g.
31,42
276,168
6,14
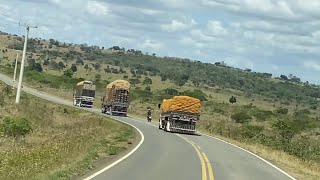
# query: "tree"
134,81
107,70
147,81
68,72
98,77
79,61
74,68
248,70
163,77
61,65
148,88
233,100
97,66
284,77
37,67
86,67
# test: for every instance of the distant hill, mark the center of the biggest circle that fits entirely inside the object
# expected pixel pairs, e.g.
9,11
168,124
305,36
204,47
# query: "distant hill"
287,89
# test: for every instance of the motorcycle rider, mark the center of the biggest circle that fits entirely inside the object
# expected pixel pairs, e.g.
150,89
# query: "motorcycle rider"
149,115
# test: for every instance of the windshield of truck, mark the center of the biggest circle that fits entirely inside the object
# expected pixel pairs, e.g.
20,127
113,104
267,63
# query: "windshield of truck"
89,93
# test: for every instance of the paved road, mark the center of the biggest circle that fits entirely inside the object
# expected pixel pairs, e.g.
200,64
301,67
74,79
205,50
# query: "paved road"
170,156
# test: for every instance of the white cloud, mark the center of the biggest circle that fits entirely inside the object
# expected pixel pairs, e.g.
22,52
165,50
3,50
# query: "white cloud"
97,8
55,1
312,65
316,35
269,8
215,28
176,25
150,45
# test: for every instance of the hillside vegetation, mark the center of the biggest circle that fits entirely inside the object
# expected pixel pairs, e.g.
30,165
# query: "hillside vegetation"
40,140
276,113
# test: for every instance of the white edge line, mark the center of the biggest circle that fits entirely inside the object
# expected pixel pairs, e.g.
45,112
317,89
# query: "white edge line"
253,154
122,158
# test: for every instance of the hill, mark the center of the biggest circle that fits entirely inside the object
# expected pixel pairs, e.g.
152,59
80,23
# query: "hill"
277,113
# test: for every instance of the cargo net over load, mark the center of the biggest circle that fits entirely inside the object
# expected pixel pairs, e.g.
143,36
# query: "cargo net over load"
183,104
180,114
116,98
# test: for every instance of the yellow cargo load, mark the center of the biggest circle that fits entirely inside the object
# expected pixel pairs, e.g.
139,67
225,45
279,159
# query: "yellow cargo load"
119,84
165,106
185,104
181,104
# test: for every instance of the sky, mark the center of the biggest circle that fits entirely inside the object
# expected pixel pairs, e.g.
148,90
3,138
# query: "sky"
275,36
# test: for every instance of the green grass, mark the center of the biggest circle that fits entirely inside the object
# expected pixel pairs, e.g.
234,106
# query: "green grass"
64,142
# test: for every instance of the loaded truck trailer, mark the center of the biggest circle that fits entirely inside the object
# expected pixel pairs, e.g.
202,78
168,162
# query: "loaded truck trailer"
84,94
116,98
179,114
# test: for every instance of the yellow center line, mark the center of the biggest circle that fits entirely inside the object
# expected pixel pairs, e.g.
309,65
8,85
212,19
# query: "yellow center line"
203,165
210,170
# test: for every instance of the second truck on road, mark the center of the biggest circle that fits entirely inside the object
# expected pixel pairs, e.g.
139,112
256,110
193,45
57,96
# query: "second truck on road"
116,98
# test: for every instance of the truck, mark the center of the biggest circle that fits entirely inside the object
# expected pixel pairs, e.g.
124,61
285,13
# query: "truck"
84,94
179,114
116,98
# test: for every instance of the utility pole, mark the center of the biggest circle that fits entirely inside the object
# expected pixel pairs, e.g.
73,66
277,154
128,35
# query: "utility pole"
22,63
15,71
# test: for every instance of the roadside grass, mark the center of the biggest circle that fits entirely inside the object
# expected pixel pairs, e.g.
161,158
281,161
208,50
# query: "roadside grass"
64,142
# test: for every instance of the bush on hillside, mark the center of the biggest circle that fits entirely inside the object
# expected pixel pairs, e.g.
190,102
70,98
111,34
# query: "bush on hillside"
196,93
262,115
282,111
241,117
16,127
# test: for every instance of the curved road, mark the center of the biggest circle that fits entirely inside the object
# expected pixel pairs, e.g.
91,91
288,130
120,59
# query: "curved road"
175,156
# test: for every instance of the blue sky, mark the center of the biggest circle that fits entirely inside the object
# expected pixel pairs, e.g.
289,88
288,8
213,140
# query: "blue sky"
277,36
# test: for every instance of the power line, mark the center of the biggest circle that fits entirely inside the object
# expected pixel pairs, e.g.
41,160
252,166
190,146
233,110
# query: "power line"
8,18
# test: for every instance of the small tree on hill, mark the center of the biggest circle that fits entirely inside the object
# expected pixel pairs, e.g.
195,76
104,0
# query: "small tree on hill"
37,67
61,65
233,100
74,68
79,61
68,72
147,81
86,67
97,66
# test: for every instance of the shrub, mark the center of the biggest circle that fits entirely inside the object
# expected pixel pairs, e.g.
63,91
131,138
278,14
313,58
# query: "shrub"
241,117
16,126
262,115
250,131
282,111
68,72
